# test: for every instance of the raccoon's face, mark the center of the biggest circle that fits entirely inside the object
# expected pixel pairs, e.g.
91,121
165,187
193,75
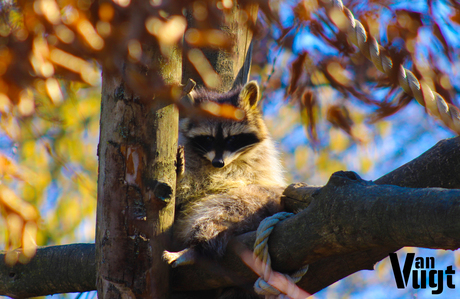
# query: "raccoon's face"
222,141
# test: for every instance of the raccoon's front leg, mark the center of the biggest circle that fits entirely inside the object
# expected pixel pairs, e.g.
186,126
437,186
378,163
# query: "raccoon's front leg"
205,237
186,256
206,226
180,258
205,230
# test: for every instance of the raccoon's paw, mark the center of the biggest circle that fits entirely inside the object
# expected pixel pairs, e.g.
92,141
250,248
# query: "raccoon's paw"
180,258
180,161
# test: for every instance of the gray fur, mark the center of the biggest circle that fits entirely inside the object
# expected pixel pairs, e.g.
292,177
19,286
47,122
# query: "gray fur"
216,204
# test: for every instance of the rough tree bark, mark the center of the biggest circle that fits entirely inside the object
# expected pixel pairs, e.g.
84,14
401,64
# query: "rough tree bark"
136,185
333,250
53,270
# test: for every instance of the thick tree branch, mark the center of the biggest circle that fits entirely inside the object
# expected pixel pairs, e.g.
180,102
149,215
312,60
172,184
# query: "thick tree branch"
349,215
54,269
349,225
434,168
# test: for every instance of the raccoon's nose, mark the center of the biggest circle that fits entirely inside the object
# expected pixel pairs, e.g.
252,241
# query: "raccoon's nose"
218,163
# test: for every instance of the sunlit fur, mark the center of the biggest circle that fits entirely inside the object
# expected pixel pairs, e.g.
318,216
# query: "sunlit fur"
218,203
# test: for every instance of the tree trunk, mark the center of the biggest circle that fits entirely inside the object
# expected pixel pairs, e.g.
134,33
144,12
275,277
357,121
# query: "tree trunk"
136,185
136,166
232,65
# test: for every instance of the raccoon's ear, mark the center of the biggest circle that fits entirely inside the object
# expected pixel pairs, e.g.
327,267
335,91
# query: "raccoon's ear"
189,92
186,103
249,95
188,100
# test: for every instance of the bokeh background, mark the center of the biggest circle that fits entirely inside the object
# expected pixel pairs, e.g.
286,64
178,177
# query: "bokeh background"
327,107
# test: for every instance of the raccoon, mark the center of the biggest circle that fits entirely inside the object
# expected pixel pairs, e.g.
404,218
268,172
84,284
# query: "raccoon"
233,178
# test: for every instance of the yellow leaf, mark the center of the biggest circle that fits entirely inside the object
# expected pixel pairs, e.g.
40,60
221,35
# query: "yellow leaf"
301,157
383,127
339,142
70,213
328,165
366,164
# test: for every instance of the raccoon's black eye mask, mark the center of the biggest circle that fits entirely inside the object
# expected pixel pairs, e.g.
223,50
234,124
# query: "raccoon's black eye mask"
232,143
240,141
203,143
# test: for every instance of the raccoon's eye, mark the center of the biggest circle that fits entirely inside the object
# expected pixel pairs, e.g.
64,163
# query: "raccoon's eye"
241,141
231,139
203,143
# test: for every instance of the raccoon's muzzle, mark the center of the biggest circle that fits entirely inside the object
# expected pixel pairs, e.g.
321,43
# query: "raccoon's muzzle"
218,162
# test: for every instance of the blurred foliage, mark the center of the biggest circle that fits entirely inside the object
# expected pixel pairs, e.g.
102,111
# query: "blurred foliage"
347,107
49,162
51,56
326,104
